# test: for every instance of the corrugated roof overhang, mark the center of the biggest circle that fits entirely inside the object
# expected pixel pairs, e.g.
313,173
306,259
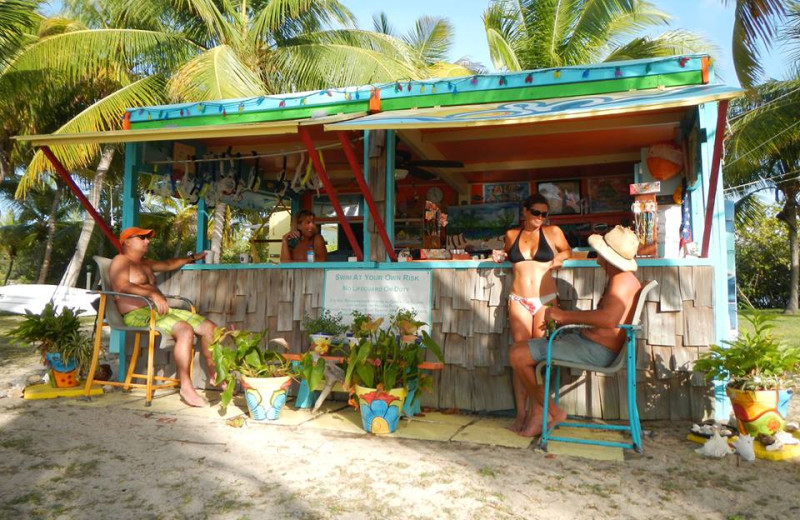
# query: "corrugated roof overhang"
520,112
182,133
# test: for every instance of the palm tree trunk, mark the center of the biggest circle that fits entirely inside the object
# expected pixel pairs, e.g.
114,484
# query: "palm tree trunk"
70,278
789,216
51,234
179,241
217,231
11,257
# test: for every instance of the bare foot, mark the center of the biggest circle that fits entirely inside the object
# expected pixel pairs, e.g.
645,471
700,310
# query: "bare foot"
532,427
517,425
190,396
556,418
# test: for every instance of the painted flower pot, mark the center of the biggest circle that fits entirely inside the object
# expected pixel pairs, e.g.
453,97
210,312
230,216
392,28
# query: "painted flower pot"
380,410
265,396
321,343
760,411
63,375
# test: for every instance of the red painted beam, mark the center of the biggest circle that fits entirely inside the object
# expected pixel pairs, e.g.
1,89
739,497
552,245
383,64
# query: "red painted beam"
326,182
347,146
722,114
64,174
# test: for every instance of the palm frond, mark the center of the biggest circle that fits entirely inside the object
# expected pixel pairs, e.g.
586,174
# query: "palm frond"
755,25
18,19
105,114
500,38
431,39
668,43
79,54
343,58
449,70
285,19
215,74
380,24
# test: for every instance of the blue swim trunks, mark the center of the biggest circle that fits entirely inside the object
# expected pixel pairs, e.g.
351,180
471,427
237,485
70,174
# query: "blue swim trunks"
574,348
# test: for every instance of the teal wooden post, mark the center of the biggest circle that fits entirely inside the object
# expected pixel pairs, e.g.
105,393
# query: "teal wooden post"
717,253
201,241
130,217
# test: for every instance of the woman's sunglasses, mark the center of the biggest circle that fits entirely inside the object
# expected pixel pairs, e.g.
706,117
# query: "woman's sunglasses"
537,213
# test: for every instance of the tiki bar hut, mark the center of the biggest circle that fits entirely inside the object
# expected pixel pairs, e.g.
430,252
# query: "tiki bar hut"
415,182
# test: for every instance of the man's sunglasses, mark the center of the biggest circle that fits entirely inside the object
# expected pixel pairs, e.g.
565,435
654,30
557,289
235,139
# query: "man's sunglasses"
537,213
142,237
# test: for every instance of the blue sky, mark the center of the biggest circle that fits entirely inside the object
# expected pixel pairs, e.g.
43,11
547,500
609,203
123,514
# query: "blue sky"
709,18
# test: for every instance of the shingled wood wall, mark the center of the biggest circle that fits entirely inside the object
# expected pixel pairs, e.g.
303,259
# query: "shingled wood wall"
470,323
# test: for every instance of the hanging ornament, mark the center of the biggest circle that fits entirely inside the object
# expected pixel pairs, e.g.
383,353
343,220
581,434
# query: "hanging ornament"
181,113
648,68
557,74
422,89
282,104
126,121
149,116
260,100
502,80
433,89
241,107
617,72
529,78
224,113
449,86
474,80
585,73
682,62
409,86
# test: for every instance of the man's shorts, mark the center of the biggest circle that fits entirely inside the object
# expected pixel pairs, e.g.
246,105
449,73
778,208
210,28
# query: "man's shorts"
141,318
574,348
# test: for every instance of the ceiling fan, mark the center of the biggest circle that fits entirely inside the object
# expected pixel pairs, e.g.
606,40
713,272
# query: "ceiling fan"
417,167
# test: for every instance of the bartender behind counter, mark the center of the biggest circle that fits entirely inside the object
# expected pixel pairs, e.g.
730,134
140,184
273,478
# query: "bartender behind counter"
304,243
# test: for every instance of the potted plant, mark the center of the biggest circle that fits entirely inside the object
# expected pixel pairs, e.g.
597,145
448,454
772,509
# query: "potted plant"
59,339
761,374
380,370
265,375
405,322
323,329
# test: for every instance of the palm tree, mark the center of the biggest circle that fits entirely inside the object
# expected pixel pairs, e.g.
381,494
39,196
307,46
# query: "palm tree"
763,154
532,34
181,50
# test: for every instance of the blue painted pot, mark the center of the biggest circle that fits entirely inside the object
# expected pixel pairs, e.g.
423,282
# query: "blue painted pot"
265,396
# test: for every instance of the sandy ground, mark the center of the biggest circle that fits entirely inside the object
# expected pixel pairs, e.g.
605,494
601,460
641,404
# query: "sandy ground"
63,459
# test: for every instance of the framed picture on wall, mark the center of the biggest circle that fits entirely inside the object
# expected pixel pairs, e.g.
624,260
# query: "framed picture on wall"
506,191
564,197
609,194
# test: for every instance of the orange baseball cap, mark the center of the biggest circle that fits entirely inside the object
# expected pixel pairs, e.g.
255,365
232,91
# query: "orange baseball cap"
133,231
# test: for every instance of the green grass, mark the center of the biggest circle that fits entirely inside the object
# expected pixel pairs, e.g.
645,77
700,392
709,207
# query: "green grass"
787,327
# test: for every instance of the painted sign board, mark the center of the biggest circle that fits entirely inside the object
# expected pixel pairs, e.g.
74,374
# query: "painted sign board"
378,292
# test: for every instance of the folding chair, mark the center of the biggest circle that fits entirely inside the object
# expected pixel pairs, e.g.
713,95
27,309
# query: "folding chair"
107,311
625,359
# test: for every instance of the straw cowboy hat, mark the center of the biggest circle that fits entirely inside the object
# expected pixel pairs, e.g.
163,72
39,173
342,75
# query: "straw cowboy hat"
618,247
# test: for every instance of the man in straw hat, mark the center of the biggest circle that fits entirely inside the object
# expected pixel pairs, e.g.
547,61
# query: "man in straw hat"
598,345
131,272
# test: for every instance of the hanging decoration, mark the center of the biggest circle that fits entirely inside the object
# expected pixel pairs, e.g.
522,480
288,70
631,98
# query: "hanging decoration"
664,160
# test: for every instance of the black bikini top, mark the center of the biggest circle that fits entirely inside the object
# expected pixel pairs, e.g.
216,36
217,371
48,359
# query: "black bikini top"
544,253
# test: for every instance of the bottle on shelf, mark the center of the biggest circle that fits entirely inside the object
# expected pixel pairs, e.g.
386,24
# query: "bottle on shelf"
310,254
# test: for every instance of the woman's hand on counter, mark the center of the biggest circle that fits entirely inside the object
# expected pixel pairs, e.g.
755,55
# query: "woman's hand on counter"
499,256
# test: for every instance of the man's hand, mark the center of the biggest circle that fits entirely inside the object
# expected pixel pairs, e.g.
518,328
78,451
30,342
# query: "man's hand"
198,256
553,313
161,303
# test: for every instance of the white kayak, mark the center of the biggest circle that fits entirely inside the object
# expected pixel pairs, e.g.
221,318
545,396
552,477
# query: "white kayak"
17,299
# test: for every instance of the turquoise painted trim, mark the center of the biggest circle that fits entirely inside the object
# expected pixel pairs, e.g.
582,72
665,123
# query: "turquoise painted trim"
367,245
130,200
717,255
391,137
298,265
319,99
201,240
130,217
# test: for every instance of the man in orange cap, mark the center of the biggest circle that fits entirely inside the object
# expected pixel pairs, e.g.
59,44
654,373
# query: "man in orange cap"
131,272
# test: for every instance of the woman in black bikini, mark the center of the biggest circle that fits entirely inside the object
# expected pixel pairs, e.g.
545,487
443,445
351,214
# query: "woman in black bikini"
534,249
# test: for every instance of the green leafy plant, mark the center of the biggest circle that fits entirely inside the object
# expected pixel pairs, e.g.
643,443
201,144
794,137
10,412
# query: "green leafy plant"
56,334
310,371
327,323
357,328
245,357
756,360
405,322
387,359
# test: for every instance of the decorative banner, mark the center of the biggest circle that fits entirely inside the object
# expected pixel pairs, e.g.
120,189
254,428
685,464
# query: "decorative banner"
378,293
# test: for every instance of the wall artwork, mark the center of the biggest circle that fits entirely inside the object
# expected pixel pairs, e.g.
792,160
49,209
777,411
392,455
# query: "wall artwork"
564,197
506,192
481,226
609,194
